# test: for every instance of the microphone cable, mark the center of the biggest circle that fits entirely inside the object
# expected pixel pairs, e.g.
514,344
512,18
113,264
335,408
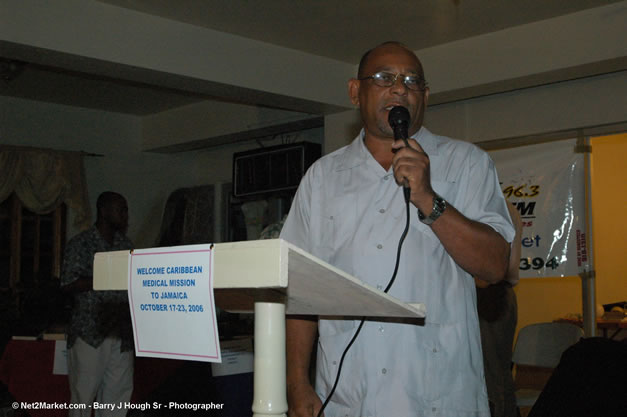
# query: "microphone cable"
406,194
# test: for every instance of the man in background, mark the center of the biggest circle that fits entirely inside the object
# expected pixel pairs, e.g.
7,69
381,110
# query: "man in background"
498,316
99,337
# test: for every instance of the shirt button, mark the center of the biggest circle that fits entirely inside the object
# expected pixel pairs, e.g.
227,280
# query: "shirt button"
384,371
435,350
381,211
379,246
381,329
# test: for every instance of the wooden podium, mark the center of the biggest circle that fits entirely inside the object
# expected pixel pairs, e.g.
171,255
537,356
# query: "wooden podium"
272,278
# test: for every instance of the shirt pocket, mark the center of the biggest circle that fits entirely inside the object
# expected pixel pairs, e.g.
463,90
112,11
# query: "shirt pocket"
433,363
333,224
333,340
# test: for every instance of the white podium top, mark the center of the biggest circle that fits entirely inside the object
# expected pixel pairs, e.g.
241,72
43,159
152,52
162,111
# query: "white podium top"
273,269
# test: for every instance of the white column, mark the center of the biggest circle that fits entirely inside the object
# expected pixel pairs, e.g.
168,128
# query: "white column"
269,377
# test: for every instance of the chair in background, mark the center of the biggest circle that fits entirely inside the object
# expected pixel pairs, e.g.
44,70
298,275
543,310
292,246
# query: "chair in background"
537,353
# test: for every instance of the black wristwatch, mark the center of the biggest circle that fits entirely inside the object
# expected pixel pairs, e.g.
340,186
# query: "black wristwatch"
439,205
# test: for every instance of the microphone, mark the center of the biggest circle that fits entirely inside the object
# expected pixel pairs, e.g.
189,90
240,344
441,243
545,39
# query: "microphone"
398,118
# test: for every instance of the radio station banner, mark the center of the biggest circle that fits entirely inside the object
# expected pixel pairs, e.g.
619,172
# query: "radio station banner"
546,183
172,305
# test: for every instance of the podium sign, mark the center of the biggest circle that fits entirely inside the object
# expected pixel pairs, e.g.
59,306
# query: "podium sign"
170,292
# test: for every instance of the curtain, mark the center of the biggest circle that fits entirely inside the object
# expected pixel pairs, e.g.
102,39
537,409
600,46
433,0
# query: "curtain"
43,179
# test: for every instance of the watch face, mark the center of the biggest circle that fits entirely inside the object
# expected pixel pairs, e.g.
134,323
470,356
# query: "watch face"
439,205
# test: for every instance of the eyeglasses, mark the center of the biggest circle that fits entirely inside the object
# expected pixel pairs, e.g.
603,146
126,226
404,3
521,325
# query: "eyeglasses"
387,79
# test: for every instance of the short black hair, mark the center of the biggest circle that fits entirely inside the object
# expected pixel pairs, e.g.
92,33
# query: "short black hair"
105,199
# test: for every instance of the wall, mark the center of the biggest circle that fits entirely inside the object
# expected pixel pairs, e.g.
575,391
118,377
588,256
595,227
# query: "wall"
145,179
609,228
340,129
546,299
592,101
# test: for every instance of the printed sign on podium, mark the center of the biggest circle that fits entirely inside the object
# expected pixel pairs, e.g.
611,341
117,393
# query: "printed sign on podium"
170,293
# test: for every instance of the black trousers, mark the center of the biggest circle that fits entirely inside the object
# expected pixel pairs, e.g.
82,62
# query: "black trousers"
498,314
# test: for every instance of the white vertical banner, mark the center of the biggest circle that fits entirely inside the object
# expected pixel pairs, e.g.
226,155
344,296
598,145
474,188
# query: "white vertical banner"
546,182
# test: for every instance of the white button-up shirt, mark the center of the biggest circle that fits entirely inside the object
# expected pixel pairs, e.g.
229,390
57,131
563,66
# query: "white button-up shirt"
350,212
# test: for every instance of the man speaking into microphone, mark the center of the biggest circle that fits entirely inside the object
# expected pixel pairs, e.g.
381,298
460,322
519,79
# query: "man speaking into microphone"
350,211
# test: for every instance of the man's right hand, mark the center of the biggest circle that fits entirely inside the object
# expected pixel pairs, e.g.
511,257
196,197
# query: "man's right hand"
302,401
300,332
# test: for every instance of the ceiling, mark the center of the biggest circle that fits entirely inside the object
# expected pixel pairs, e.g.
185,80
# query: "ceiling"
337,29
344,29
